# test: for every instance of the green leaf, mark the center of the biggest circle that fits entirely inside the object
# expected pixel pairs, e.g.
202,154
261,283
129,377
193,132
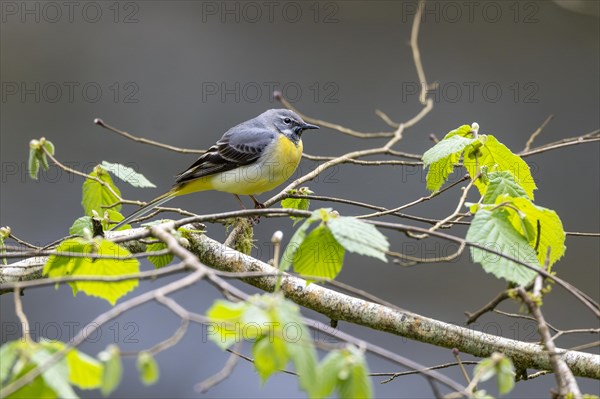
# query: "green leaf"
33,163
290,251
439,171
297,203
489,152
450,145
493,230
500,183
506,376
38,388
111,217
48,146
84,371
78,227
113,369
345,369
9,353
463,131
148,368
270,356
57,376
358,383
96,196
224,329
37,156
552,233
299,343
304,357
500,366
4,234
127,174
441,157
319,255
329,370
359,237
159,260
61,265
277,329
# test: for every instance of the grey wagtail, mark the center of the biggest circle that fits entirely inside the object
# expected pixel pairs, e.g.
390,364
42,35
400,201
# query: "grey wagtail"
251,158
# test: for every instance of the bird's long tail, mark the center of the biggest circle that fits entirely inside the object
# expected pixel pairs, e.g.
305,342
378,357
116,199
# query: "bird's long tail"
158,201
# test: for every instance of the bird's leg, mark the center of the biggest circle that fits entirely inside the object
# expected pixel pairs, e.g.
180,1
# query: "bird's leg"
240,201
257,204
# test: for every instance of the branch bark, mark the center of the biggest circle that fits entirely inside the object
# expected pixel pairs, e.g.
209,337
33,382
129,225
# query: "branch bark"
339,306
343,307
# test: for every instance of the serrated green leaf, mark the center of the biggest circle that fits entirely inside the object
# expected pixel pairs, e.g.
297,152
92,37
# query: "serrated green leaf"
359,237
439,171
552,233
441,157
159,260
493,230
463,131
113,369
451,145
497,157
148,368
270,356
127,174
33,164
60,265
319,255
501,183
97,196
80,224
84,371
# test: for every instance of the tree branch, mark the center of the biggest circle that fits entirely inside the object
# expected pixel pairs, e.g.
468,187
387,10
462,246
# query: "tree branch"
407,324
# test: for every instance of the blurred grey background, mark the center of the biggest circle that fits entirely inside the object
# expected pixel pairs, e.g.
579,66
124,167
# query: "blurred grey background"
183,72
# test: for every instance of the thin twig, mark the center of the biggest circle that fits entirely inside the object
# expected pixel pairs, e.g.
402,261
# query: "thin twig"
105,125
22,317
567,385
223,374
536,133
393,376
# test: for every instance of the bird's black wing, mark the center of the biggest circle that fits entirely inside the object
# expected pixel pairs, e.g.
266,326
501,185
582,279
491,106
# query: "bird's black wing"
241,145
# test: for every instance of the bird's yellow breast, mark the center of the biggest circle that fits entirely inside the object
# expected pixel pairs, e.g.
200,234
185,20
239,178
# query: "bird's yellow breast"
277,163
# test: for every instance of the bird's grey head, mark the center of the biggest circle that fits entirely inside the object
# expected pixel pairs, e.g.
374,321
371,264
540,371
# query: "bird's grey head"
286,122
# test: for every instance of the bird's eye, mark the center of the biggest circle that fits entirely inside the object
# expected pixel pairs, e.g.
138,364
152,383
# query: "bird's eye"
287,121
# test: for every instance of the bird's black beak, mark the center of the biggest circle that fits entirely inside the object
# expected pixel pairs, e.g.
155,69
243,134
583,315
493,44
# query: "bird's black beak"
306,126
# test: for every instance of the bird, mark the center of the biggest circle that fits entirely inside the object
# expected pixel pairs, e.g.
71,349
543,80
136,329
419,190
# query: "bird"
250,158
